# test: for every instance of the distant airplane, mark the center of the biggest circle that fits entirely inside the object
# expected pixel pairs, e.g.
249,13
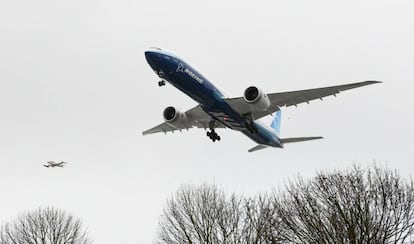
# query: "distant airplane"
53,164
240,113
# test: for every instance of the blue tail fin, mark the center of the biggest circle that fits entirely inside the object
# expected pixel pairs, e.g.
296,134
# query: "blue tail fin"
276,122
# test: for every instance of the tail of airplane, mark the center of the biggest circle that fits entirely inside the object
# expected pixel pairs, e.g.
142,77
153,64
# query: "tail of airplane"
276,128
276,122
258,147
299,139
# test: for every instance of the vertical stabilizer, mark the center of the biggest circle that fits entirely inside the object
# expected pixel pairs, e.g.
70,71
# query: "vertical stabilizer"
276,122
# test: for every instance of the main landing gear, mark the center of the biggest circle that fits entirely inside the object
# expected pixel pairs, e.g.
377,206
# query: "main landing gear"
161,83
212,133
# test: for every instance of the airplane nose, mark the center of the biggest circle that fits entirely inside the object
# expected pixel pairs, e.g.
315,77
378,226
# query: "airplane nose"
149,55
151,58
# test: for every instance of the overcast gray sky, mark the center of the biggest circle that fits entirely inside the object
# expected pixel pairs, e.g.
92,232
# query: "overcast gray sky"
75,86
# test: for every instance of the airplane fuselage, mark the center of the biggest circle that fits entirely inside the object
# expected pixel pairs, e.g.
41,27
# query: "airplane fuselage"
188,80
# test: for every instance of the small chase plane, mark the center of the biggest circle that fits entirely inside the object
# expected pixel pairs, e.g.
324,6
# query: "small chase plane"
52,164
214,110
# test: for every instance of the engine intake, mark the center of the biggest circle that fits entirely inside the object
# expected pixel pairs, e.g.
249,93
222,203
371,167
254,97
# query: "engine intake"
251,94
256,98
174,117
170,114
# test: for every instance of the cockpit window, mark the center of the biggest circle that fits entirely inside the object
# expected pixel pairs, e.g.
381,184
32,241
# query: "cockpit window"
163,52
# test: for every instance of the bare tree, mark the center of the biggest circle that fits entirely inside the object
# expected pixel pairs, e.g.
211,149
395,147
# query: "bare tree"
204,215
44,226
261,223
355,206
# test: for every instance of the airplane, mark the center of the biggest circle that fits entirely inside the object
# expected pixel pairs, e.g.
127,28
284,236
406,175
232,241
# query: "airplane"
215,110
53,164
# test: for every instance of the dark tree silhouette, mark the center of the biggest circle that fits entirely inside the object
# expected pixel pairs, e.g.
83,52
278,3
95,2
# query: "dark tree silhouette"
354,206
44,226
204,215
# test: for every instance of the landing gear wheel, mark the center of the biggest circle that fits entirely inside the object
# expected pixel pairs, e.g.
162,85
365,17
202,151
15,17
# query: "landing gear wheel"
161,83
213,135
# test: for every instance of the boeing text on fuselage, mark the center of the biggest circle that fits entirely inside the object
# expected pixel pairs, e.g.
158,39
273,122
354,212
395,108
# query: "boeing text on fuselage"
183,69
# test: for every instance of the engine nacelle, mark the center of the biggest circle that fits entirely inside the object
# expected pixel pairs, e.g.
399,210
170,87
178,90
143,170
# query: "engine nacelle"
256,98
174,117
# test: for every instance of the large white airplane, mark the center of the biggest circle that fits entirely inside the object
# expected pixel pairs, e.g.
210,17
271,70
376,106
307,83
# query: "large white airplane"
214,110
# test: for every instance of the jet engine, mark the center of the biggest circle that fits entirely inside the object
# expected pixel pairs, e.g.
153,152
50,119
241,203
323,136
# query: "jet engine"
256,98
174,117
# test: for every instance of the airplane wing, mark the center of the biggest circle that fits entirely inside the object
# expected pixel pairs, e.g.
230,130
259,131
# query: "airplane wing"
287,99
196,117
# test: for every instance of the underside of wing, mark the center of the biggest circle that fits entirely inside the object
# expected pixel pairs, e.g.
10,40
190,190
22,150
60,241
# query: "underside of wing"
287,99
296,97
195,117
163,127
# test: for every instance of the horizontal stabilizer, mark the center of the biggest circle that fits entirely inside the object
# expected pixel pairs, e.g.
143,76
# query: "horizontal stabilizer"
299,139
258,147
